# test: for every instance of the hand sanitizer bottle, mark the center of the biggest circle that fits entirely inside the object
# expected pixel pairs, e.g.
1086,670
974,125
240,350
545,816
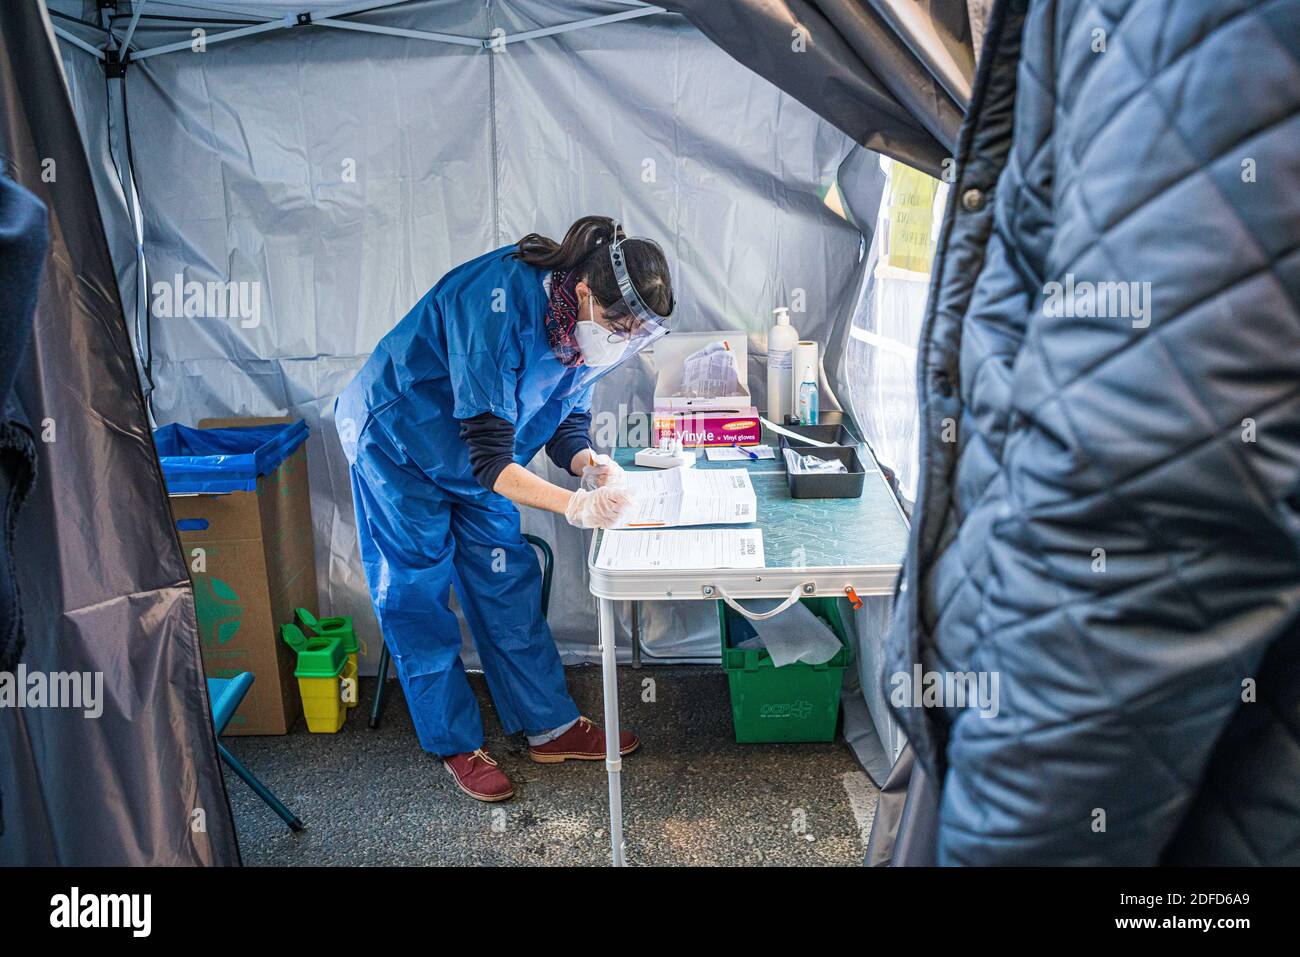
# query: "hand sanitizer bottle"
780,352
808,399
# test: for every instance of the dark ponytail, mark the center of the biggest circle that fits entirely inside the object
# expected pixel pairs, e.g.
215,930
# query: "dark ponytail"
646,263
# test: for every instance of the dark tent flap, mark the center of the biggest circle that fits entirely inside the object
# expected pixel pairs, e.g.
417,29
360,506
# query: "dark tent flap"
132,776
894,76
213,461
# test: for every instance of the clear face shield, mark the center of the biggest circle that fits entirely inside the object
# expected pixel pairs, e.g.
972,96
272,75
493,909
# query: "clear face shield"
609,337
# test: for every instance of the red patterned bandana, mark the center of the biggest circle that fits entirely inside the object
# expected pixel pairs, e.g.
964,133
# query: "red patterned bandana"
562,316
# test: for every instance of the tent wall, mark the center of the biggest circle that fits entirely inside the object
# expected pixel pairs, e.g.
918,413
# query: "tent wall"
104,587
244,157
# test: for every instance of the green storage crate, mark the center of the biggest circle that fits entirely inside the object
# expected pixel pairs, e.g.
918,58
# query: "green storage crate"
799,702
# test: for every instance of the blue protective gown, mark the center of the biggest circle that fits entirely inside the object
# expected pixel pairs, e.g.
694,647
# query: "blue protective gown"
475,343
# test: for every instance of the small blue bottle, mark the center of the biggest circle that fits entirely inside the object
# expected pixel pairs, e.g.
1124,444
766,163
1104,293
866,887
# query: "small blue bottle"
808,399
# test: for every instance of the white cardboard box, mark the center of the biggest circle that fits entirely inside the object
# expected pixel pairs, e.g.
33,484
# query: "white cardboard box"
670,357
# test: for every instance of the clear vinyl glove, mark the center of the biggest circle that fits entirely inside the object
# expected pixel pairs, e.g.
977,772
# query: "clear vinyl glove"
599,508
601,471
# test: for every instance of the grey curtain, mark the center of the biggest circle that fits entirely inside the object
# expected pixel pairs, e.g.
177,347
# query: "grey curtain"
104,585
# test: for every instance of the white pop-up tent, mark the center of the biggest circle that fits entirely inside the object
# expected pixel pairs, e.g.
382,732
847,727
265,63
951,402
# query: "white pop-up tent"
334,158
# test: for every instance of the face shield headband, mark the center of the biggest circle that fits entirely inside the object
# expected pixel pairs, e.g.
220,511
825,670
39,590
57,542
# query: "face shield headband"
632,303
638,326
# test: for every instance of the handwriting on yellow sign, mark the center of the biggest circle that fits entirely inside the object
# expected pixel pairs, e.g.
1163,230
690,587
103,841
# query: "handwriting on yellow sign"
911,214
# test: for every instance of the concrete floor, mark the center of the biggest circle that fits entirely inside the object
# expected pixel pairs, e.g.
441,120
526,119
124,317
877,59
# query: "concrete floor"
691,794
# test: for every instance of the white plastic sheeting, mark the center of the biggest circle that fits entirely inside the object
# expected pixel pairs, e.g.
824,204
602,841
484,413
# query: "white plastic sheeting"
879,360
338,174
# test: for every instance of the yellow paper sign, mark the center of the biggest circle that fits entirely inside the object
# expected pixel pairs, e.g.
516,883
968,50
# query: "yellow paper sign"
911,213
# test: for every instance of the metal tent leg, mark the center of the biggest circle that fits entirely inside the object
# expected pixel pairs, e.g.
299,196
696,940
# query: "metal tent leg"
613,761
636,635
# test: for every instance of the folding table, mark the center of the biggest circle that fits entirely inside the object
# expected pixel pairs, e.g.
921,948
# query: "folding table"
812,548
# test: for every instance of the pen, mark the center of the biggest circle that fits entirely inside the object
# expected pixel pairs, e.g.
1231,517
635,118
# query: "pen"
752,455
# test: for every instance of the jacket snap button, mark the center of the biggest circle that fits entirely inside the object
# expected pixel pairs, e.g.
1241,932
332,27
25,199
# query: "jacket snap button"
973,200
943,384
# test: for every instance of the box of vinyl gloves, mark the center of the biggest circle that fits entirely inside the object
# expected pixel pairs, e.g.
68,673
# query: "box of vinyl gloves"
702,390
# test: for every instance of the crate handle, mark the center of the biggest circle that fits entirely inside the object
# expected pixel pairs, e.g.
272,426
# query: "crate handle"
795,594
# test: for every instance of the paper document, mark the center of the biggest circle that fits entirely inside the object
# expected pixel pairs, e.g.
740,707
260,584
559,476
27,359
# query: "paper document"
725,453
682,549
681,496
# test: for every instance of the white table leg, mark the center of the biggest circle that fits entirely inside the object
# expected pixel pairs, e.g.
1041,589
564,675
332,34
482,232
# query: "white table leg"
613,760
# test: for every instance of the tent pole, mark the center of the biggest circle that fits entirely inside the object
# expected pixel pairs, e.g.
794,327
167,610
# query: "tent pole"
78,42
398,32
583,24
333,18
135,20
215,38
305,18
358,8
205,7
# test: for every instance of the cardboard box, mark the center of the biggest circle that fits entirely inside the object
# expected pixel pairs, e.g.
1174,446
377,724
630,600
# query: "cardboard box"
704,427
670,359
719,420
252,562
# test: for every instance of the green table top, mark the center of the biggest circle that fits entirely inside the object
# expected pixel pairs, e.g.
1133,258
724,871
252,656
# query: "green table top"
864,532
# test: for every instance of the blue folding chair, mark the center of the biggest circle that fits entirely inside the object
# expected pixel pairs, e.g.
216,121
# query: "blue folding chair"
225,695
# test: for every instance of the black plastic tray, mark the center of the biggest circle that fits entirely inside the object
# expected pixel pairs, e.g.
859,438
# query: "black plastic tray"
833,485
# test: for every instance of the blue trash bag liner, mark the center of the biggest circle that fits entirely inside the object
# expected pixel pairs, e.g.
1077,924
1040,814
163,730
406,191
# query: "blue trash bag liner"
214,461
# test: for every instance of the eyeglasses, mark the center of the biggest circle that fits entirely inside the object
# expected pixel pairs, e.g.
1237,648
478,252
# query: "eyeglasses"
621,328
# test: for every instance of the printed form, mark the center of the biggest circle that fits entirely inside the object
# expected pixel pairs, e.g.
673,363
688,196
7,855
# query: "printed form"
691,497
682,549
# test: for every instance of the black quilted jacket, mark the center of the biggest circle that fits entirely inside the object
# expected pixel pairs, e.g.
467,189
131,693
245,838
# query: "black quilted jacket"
1109,512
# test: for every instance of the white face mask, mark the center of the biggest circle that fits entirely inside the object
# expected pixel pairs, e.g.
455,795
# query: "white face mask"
593,340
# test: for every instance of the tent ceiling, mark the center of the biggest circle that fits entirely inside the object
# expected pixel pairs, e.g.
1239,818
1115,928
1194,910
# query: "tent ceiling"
892,74
235,19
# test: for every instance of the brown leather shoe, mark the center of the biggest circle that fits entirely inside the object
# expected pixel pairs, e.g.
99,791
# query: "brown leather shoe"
478,776
583,742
